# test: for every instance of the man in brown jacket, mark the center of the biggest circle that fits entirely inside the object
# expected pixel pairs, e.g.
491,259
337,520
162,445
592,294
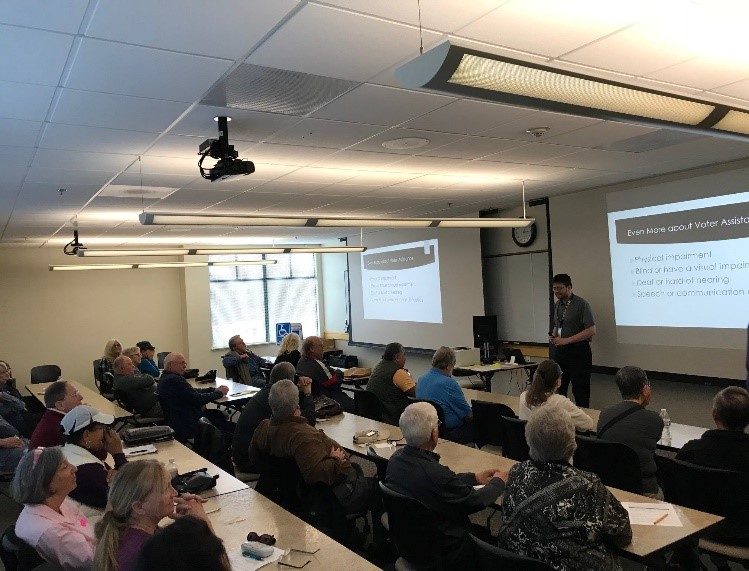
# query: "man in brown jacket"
320,459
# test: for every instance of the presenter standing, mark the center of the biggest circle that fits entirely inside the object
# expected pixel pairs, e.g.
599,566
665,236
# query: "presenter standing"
572,326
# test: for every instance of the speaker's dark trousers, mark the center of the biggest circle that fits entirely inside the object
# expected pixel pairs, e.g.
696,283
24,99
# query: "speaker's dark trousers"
576,361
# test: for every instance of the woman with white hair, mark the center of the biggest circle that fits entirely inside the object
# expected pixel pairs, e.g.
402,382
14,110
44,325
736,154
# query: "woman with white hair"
556,513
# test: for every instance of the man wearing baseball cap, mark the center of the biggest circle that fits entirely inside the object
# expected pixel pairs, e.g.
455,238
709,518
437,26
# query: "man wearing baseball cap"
147,365
87,434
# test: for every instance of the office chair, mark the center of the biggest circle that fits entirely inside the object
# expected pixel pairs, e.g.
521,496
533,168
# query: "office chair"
487,421
209,443
514,444
160,356
16,554
491,558
615,463
45,374
413,531
720,492
368,405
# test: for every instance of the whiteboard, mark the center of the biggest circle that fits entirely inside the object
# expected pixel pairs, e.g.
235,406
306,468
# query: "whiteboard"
516,290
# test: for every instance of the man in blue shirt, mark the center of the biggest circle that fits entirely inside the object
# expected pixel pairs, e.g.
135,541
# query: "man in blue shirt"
438,385
243,365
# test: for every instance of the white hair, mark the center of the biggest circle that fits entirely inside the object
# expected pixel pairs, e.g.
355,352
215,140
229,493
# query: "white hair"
417,423
550,434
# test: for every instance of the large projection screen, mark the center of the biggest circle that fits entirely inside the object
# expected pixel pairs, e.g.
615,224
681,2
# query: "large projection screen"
420,288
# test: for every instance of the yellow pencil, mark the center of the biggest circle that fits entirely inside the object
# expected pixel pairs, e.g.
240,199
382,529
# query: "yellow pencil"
660,519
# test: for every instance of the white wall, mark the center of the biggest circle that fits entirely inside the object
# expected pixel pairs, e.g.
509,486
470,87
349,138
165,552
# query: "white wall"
65,318
581,248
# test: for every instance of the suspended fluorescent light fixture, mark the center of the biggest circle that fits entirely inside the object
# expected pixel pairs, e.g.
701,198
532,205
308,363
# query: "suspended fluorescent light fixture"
156,265
463,71
166,218
208,251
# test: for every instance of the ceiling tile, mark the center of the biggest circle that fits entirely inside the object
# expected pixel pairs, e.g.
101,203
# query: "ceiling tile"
18,156
531,153
115,111
143,72
466,117
19,133
285,154
599,135
323,133
739,89
378,105
703,73
41,196
33,56
547,28
227,29
45,15
473,148
77,160
244,125
435,140
64,177
319,40
187,167
94,139
315,174
25,101
359,160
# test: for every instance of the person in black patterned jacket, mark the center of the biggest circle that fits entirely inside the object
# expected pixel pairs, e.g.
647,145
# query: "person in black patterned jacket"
556,513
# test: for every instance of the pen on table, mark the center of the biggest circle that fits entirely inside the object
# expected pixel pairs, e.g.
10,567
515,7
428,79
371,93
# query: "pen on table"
660,519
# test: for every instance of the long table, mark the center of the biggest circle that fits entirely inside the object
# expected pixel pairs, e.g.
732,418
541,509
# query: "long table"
648,542
486,372
90,398
238,392
246,510
680,433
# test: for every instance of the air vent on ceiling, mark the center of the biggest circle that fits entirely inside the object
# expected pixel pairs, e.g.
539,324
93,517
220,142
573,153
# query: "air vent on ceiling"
658,139
258,88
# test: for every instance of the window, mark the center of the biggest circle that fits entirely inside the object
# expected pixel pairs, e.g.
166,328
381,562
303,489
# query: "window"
250,300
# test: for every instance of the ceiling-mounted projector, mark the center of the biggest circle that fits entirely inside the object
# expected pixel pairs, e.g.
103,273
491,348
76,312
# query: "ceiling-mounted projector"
227,164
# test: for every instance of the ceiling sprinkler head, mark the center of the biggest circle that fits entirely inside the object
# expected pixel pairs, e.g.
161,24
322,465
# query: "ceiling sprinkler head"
538,131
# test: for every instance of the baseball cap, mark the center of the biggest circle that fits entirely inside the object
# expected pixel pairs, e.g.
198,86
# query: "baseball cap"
81,417
145,345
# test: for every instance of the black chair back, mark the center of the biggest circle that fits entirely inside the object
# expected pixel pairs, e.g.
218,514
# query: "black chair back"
615,463
281,482
164,409
322,510
413,530
487,421
232,373
16,554
45,374
368,405
514,444
380,463
210,444
440,413
160,356
719,492
491,558
265,368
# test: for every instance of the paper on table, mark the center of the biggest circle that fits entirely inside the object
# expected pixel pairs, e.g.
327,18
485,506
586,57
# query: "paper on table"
139,450
382,445
240,562
650,512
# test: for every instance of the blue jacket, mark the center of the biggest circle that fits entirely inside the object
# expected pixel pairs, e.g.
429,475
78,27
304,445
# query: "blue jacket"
245,371
436,386
184,404
148,367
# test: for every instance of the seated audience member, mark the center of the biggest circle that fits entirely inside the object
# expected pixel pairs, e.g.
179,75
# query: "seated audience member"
439,386
244,363
392,383
12,447
49,521
727,445
86,434
185,404
139,390
257,409
415,471
60,398
188,544
140,496
147,365
112,350
630,423
554,512
320,460
324,382
543,392
288,352
134,354
11,401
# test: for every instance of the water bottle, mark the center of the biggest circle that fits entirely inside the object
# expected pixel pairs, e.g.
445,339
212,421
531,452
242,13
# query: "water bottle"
171,467
666,436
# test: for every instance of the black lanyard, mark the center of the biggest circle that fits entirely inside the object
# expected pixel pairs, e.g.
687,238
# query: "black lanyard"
560,320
